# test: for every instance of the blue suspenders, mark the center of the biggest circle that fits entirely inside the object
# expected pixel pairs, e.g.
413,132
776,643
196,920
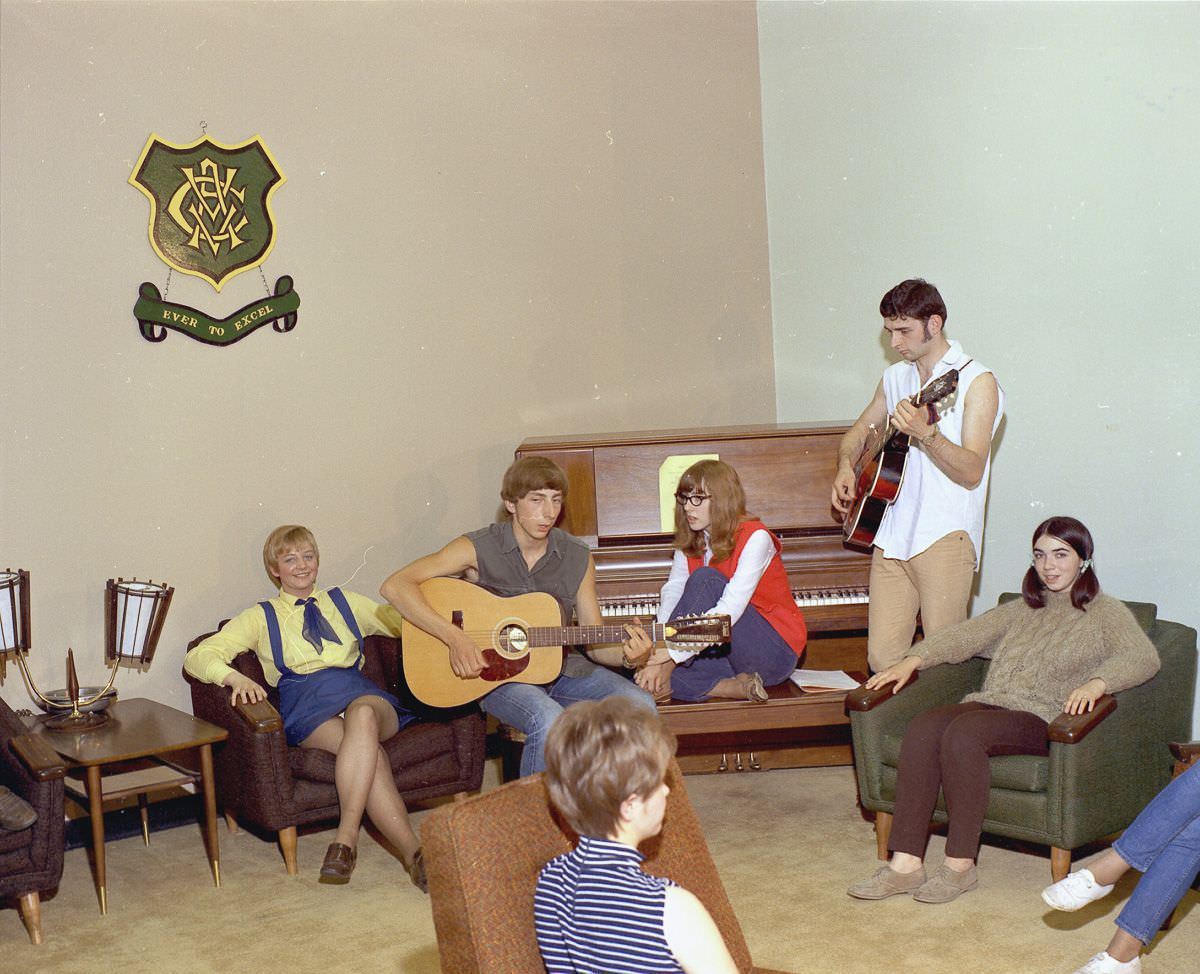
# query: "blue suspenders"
273,632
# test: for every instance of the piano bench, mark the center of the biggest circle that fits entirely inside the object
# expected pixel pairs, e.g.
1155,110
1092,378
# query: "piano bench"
793,729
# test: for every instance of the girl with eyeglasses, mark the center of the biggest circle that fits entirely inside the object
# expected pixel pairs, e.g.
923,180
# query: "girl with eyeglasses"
726,563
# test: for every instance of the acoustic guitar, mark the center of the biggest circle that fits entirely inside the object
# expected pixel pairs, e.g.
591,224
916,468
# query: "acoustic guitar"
879,473
521,638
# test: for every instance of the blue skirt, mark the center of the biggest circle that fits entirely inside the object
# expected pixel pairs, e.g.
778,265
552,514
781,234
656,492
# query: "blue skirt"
307,701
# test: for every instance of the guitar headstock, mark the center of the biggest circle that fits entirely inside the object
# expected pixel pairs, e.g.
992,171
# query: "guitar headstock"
698,630
943,387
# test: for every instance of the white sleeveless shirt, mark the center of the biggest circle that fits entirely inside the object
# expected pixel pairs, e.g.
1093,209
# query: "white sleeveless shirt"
930,505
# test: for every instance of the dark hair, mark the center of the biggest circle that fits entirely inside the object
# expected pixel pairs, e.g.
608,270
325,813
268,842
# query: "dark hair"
913,298
1074,533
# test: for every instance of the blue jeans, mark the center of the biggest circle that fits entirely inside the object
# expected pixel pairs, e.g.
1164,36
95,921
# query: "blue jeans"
755,647
532,709
1163,844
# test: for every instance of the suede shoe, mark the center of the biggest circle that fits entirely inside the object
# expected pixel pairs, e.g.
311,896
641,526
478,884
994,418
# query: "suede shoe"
947,884
416,871
887,882
755,691
1103,964
15,812
1075,892
338,864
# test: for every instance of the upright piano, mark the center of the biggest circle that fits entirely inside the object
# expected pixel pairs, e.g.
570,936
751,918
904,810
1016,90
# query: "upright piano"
613,502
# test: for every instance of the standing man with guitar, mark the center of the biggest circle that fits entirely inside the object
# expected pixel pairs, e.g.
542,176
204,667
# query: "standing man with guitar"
926,549
523,553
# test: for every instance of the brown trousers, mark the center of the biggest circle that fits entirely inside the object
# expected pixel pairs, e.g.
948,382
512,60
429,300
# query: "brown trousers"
948,748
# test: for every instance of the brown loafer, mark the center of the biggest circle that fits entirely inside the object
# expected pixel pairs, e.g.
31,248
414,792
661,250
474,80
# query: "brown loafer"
416,871
338,864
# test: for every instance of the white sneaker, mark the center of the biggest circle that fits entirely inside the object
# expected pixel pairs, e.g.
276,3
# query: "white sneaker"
1103,964
1075,892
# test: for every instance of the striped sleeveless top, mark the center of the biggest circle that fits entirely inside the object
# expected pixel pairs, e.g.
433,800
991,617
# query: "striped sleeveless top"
596,912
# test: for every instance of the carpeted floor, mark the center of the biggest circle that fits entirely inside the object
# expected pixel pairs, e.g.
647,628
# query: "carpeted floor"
787,844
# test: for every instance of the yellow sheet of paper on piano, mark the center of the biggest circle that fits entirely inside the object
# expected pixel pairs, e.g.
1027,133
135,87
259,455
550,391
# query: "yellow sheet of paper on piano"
669,472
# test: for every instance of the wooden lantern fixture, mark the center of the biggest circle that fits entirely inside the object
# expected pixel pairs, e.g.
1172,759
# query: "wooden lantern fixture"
134,613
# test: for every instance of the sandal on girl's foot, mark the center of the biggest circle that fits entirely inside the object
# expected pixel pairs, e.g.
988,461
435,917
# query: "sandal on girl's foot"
416,871
338,864
755,691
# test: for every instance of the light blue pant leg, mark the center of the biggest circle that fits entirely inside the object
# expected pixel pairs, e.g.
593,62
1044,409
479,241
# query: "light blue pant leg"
1163,843
530,710
755,647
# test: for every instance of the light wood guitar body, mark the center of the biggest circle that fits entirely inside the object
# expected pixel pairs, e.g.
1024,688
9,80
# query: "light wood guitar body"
521,637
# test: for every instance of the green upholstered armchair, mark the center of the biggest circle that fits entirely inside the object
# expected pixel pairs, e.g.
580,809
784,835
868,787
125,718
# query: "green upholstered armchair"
1102,769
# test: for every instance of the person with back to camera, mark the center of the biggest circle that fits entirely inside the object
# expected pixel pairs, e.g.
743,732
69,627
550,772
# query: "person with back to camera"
309,643
595,910
1057,649
1163,844
726,563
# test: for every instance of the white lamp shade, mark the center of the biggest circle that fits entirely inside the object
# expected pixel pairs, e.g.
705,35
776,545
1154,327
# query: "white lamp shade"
11,611
137,611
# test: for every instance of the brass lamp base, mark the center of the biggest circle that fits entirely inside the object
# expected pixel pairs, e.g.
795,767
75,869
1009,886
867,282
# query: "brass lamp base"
77,722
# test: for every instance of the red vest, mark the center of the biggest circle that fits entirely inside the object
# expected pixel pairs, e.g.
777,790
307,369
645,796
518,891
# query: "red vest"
773,596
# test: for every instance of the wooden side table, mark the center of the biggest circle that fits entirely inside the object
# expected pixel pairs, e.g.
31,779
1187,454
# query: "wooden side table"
140,729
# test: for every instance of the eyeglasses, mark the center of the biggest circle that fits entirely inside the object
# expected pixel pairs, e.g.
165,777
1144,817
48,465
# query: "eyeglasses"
694,499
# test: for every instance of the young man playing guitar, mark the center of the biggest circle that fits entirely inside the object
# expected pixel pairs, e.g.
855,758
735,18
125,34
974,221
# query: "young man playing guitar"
523,553
927,547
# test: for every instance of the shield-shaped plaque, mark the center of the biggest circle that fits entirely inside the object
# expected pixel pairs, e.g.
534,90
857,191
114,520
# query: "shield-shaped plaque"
210,205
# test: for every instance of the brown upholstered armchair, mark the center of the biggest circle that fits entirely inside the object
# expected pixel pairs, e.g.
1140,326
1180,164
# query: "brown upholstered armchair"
483,856
1102,769
31,860
263,781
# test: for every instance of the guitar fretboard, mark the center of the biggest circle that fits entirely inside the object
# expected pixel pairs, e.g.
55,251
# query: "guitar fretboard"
587,635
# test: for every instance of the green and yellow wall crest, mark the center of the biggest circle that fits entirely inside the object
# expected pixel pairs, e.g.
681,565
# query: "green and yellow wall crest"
211,218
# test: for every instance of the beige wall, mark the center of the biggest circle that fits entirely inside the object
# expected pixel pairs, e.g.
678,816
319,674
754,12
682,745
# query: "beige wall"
503,220
1037,161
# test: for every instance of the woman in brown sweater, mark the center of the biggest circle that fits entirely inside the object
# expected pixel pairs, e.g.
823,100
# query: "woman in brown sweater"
1057,650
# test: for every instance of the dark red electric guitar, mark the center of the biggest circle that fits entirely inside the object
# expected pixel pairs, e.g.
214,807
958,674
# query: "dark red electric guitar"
879,473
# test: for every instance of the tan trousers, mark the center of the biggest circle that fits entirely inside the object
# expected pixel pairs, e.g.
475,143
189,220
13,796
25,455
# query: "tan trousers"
937,582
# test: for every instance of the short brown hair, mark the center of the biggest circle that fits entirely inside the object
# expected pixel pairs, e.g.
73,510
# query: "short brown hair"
598,753
532,473
284,538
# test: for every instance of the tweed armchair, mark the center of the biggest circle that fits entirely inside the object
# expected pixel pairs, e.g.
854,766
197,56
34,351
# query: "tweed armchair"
263,781
31,860
483,857
1102,769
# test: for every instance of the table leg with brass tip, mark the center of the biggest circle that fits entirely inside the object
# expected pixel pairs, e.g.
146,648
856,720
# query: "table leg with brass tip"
96,811
211,839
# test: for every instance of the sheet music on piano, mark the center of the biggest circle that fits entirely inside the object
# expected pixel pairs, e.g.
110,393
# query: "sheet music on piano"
823,681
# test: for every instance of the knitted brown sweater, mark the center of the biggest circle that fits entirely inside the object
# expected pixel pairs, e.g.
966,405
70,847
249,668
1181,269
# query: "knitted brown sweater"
1040,655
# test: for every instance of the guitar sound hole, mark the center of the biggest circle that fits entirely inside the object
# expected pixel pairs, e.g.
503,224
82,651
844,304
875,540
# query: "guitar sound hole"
514,640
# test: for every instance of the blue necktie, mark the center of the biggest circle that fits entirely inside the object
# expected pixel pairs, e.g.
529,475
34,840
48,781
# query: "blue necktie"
316,626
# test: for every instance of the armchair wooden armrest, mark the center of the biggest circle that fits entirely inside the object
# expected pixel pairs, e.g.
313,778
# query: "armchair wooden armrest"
260,716
1073,728
862,699
39,757
1185,752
